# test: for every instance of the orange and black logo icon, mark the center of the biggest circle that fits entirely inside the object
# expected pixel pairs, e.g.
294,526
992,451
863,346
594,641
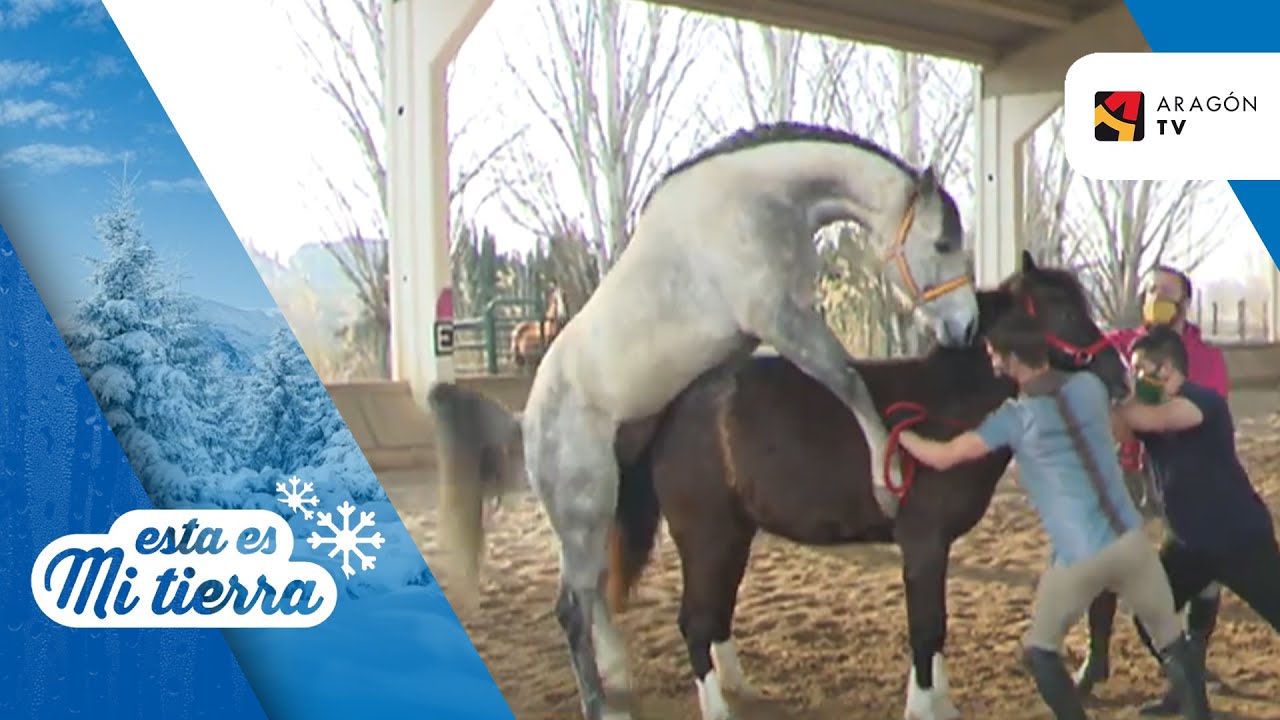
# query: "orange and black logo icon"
1119,116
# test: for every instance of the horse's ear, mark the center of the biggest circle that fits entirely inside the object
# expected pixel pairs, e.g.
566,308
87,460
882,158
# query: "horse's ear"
1028,262
927,185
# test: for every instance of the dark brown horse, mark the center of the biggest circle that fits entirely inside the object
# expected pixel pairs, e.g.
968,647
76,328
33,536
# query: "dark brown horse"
759,445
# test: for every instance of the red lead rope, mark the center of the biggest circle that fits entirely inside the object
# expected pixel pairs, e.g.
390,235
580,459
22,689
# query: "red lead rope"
918,415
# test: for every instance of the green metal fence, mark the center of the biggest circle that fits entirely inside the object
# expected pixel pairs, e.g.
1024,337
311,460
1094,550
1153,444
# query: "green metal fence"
482,344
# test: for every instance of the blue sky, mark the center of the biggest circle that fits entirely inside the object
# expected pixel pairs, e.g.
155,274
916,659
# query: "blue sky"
74,107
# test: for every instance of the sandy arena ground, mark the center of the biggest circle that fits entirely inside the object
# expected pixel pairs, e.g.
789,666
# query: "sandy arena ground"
823,635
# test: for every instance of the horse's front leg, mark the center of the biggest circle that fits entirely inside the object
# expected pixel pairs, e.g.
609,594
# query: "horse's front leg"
925,577
801,336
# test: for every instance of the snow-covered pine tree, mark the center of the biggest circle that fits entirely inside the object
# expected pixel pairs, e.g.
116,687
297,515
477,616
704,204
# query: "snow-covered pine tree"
283,419
296,427
121,340
225,408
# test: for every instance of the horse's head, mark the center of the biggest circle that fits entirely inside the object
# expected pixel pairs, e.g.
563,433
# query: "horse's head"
932,268
1055,296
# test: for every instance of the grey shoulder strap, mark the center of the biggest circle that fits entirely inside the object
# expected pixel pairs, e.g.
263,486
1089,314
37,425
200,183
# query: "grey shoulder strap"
1088,462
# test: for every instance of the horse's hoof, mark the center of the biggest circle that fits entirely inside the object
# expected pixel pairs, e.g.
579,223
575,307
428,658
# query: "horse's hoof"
944,709
616,681
1168,706
939,709
745,692
711,698
613,709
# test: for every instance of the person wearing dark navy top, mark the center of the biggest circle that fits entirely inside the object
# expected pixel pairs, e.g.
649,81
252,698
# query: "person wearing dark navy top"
1218,527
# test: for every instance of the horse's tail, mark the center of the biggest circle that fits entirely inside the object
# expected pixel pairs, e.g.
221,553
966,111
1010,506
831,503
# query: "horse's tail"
635,530
479,450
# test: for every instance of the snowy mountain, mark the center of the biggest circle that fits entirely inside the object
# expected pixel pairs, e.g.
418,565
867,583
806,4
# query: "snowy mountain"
241,334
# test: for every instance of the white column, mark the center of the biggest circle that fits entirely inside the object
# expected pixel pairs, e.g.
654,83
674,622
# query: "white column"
422,38
1004,124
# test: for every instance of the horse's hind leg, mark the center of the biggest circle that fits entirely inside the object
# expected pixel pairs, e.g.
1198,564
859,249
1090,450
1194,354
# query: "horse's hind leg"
713,558
598,654
925,580
724,651
611,649
804,338
572,468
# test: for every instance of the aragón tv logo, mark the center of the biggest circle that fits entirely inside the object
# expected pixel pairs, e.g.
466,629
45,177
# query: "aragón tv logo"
1119,116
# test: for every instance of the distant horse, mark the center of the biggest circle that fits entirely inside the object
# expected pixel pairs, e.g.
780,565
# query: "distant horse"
530,339
722,258
758,444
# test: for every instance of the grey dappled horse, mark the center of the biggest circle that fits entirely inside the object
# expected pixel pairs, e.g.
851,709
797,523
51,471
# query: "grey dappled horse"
722,258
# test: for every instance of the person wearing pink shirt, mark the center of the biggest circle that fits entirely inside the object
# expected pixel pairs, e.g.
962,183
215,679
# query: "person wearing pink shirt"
1166,301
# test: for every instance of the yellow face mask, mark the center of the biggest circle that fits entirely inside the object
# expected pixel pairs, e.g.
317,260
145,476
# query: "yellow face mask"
1158,311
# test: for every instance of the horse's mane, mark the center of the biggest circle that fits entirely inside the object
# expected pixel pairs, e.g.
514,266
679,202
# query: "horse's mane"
1070,284
777,132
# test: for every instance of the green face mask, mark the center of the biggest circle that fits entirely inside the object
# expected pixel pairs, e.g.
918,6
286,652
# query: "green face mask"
1148,391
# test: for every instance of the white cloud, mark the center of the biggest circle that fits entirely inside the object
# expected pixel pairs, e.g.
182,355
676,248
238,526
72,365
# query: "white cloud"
42,114
67,87
18,112
21,13
183,185
21,73
106,66
52,158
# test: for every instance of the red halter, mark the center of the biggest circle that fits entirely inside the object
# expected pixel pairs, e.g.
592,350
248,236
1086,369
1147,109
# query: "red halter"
1081,356
918,415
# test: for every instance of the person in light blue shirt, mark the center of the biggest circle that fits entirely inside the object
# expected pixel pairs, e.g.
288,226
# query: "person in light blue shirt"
1059,429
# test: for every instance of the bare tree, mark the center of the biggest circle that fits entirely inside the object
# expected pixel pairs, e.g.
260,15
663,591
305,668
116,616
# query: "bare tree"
1127,227
344,42
840,79
606,86
1047,178
768,60
1113,232
565,255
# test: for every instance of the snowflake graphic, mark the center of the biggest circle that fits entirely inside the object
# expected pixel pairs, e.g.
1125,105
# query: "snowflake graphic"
347,539
296,499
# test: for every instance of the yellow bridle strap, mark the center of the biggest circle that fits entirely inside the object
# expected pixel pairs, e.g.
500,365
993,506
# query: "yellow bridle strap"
899,258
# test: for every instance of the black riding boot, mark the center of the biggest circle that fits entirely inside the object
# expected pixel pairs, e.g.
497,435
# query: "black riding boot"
1097,665
1202,618
1184,668
1055,684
